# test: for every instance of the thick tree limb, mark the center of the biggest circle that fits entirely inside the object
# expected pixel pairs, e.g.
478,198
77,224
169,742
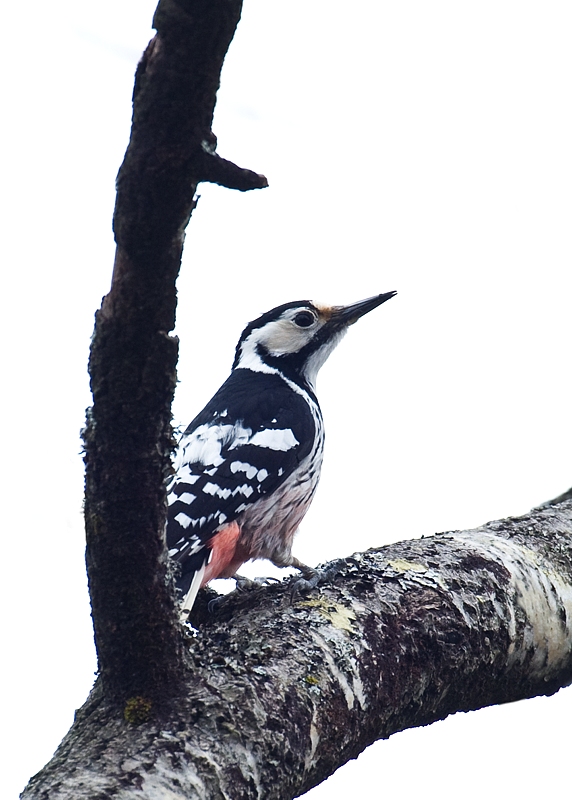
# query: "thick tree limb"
284,693
133,359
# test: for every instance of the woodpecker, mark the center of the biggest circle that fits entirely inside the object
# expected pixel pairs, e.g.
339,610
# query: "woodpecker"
248,465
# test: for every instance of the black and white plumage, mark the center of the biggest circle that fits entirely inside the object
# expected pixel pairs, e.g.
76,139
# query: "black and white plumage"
248,465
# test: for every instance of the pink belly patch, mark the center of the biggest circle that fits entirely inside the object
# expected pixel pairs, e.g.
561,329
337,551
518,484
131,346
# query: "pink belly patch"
226,556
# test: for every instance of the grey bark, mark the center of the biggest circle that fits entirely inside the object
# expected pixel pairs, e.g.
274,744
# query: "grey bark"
282,691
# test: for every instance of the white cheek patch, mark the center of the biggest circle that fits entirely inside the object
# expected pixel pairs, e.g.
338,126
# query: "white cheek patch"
280,338
283,337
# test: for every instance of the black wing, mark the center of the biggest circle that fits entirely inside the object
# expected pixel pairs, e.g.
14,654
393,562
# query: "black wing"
249,438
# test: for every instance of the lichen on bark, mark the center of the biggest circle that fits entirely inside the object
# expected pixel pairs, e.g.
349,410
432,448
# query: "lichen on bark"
281,692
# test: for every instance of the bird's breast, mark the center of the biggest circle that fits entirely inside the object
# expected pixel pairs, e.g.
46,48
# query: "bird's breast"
269,525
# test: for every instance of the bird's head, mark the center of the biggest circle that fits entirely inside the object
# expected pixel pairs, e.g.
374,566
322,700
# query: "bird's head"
296,338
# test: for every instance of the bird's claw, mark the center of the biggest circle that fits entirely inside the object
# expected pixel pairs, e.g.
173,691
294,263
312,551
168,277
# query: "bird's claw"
305,583
214,604
245,584
309,580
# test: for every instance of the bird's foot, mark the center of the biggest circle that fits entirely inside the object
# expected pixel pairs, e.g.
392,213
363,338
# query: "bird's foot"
305,583
245,584
309,579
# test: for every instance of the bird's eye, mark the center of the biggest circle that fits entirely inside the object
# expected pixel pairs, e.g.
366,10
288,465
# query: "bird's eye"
304,319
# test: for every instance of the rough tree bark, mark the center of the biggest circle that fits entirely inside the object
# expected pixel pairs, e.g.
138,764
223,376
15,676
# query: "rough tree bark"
281,693
273,694
133,359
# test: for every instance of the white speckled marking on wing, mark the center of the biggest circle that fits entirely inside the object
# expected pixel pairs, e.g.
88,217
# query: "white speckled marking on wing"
205,443
187,498
242,466
183,519
275,439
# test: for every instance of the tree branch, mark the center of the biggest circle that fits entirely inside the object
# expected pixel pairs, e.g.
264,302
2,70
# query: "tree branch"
128,438
284,693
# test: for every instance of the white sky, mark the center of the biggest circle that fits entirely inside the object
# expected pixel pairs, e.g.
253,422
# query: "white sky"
422,147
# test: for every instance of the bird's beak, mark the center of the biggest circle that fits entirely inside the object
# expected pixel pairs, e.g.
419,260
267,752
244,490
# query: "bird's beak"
347,315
